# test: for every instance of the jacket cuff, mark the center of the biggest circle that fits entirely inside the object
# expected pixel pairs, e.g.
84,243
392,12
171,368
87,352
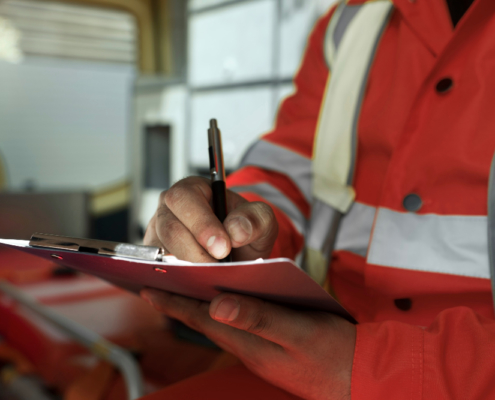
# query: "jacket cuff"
388,361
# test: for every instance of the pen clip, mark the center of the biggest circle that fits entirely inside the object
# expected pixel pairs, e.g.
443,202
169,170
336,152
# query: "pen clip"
217,171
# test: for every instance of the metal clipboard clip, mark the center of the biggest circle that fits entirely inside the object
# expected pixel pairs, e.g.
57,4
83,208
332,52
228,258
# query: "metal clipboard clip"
101,247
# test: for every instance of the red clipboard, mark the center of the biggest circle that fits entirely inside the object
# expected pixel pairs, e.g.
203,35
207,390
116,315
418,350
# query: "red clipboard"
277,280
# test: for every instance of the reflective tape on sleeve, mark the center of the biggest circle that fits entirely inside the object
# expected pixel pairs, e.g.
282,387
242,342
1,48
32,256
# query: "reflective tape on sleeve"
491,226
320,225
269,156
355,229
449,244
277,198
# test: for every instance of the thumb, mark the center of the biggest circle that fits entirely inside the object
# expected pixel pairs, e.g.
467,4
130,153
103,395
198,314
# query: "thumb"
253,229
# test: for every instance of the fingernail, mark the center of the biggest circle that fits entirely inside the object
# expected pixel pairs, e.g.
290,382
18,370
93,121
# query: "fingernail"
217,246
227,310
240,229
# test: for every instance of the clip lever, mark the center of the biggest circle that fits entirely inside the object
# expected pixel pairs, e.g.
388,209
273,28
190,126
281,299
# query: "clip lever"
101,247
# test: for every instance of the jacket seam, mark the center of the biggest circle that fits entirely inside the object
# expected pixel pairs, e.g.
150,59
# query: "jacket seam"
354,361
421,365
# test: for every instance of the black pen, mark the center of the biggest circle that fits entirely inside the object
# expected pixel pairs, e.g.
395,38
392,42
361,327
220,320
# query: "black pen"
217,174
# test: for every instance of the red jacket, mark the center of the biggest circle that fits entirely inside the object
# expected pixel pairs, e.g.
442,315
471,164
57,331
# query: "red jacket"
421,288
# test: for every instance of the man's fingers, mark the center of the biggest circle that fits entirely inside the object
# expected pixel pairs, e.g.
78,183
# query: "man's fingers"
195,314
150,236
165,230
186,225
177,239
277,324
253,229
189,201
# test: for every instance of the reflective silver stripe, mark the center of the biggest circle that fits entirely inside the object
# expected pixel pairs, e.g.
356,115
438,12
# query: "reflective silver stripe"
435,243
362,91
320,240
355,229
277,198
322,216
356,32
335,140
491,226
346,16
329,49
269,156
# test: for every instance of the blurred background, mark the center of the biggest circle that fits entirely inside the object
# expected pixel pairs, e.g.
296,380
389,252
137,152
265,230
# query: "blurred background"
105,103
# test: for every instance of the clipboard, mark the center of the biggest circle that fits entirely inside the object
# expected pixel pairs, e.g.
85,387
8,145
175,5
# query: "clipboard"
133,268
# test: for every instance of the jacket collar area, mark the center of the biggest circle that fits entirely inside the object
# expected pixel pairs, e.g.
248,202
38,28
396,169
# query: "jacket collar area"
430,19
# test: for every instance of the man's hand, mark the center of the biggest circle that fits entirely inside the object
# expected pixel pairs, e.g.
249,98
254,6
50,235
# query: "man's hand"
309,354
186,226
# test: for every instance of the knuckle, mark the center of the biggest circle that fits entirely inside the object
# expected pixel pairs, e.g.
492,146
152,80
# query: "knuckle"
260,322
175,196
264,213
196,180
185,192
171,238
179,191
162,197
169,228
194,317
150,233
200,229
162,215
264,208
192,322
264,224
202,184
160,307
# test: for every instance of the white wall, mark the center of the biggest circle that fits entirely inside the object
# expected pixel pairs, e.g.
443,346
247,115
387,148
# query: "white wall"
242,57
232,44
242,114
65,124
166,106
195,5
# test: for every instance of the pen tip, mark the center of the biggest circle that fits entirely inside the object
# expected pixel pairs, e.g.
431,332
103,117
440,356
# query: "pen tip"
213,123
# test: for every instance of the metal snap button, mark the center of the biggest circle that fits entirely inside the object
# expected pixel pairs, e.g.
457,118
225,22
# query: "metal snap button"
412,202
403,304
444,85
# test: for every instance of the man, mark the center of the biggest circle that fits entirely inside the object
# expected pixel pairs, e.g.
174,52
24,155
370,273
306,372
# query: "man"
420,286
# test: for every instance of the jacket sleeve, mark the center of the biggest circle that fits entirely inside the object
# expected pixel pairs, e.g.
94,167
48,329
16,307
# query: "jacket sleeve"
277,167
453,358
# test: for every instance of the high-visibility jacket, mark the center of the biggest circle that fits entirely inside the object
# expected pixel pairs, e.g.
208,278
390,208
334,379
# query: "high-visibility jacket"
411,255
